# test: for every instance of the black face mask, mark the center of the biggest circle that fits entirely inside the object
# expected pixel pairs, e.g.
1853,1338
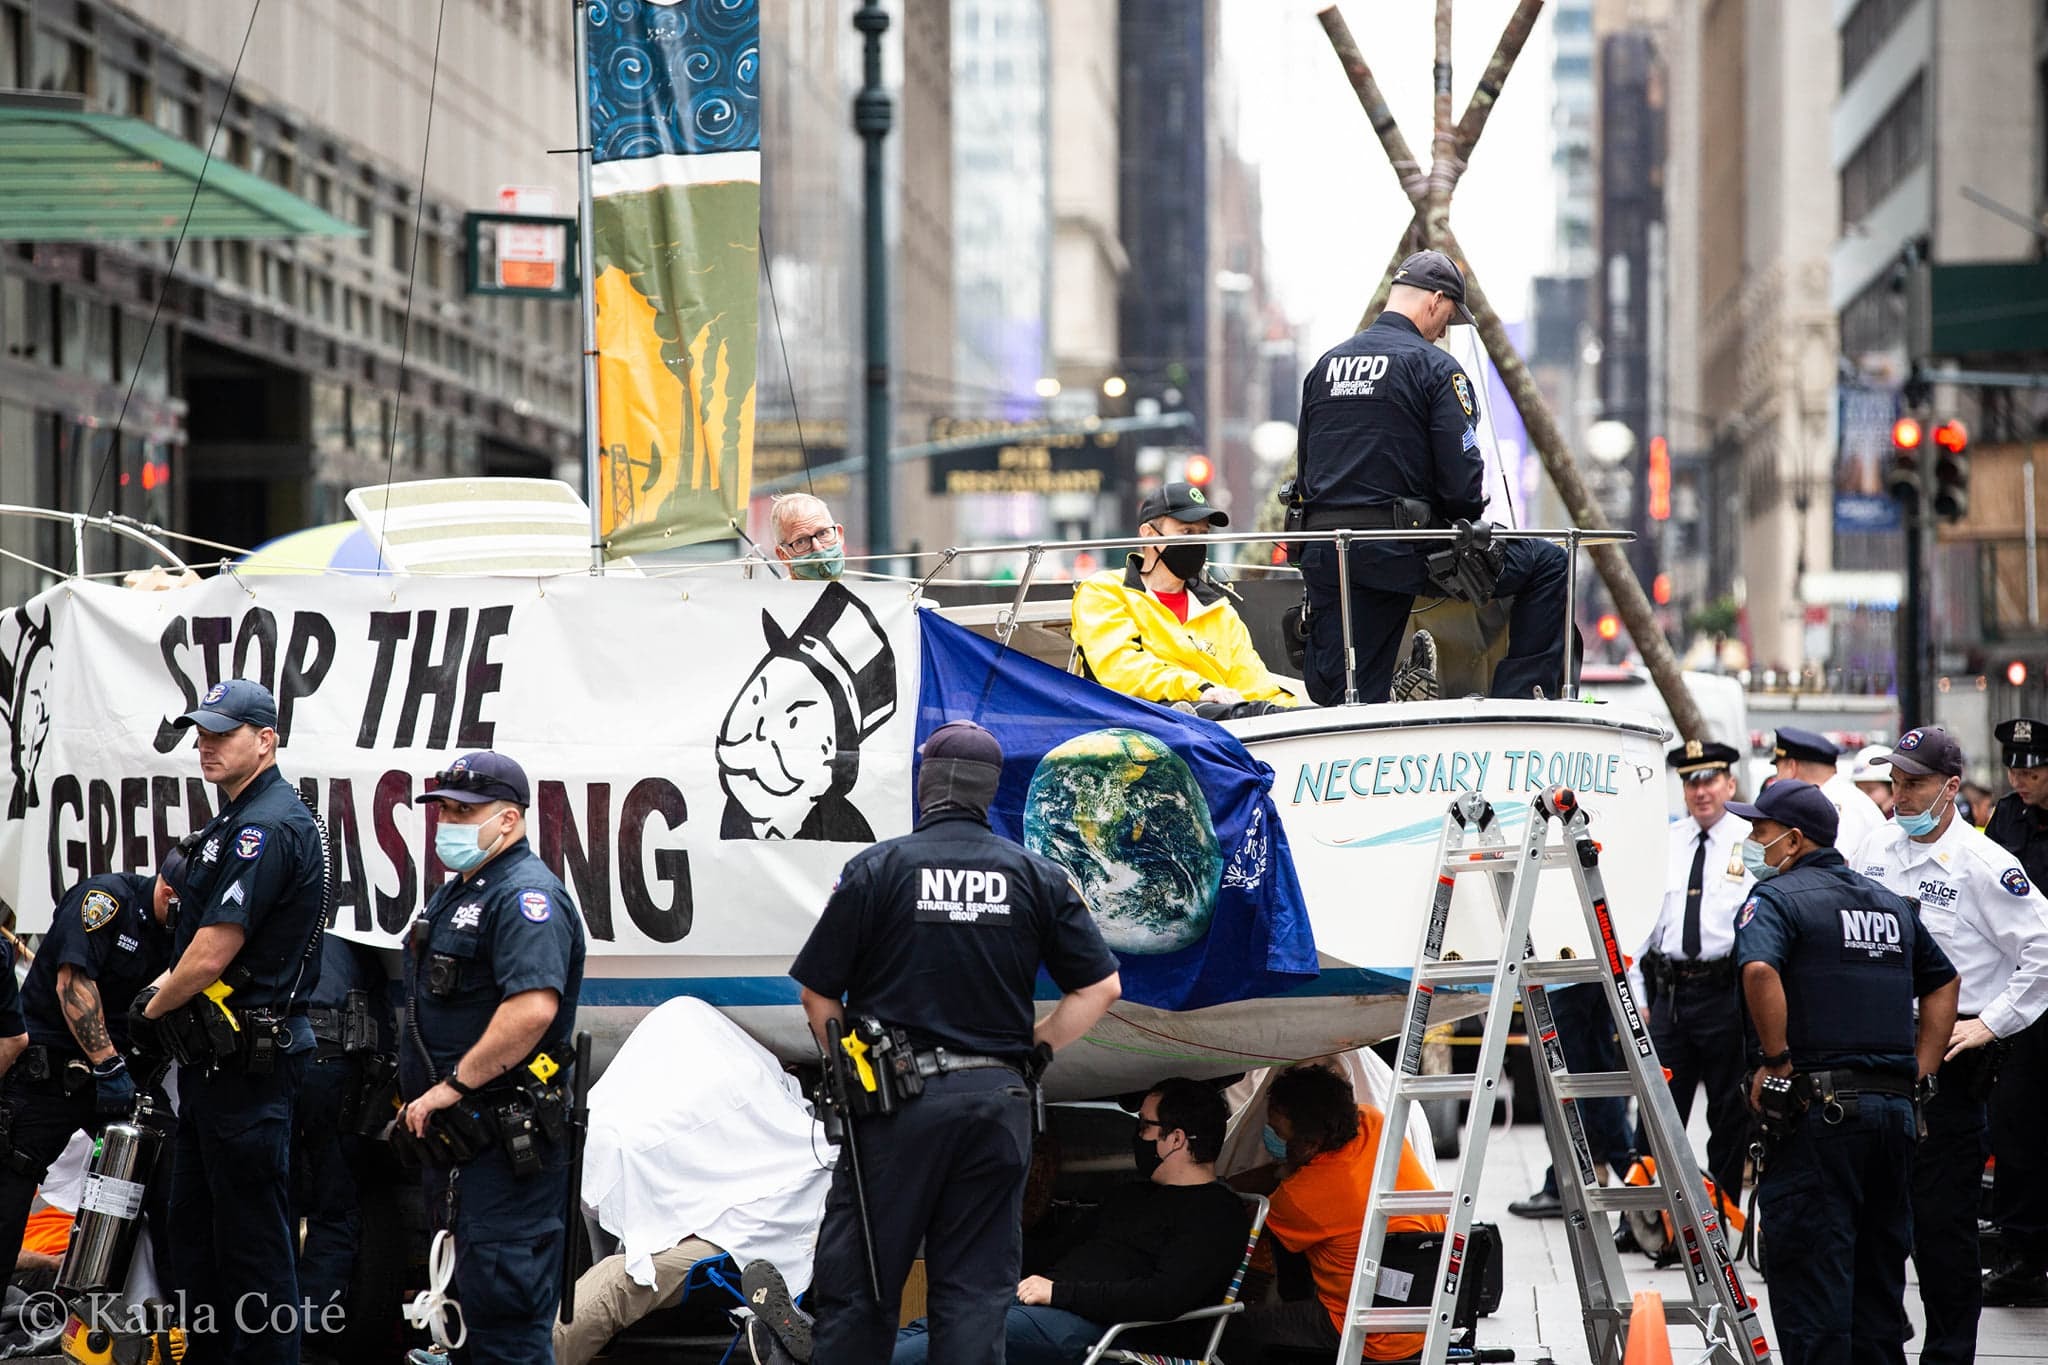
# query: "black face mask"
1185,557
1145,1153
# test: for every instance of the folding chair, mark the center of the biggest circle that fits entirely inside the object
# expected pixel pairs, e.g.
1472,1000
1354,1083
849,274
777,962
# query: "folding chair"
1106,1350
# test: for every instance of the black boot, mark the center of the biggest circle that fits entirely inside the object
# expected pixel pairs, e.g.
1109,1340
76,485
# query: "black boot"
1545,1203
2019,1283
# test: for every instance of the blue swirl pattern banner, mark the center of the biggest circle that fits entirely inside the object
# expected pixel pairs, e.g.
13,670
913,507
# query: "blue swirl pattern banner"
674,77
675,180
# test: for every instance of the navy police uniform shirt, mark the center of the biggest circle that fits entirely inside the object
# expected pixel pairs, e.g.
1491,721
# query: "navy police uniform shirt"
941,932
510,927
2021,830
260,865
106,929
1386,415
1853,957
11,1024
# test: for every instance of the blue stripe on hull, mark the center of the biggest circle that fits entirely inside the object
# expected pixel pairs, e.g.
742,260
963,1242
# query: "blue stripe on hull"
740,992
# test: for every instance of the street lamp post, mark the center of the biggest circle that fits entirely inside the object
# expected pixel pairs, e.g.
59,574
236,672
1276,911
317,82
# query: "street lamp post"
873,112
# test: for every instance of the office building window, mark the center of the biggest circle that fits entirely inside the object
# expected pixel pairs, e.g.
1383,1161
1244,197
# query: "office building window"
1891,150
1865,30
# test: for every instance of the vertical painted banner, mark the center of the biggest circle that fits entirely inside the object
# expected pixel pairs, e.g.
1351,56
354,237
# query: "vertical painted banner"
675,131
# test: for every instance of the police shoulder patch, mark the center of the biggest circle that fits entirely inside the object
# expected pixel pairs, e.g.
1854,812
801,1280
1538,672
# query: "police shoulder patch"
1462,387
1747,913
535,906
249,842
99,909
2015,881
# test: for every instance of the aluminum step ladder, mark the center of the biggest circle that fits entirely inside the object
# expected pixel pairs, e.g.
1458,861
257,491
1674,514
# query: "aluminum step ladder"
1473,843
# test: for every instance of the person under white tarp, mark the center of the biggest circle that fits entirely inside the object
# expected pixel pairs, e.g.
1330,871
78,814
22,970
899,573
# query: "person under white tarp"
1371,1080
699,1144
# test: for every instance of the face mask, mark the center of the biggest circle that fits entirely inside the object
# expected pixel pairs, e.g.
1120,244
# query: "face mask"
819,564
1276,1146
1753,859
1185,559
457,847
1145,1152
1923,823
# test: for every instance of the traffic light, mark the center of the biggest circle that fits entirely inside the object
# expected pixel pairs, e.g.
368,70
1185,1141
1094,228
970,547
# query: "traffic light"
1951,470
1609,627
1660,479
1199,470
1904,479
2016,673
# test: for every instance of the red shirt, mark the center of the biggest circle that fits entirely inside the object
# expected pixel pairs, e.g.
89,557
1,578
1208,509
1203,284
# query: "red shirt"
1175,602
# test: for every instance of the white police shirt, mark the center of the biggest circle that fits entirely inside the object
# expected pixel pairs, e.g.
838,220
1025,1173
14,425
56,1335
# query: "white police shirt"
1860,817
1977,902
1724,885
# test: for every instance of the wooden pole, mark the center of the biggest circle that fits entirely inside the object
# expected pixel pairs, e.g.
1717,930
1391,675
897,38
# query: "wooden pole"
1444,163
1622,585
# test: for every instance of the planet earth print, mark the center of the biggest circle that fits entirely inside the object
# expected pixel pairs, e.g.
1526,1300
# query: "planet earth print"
1124,814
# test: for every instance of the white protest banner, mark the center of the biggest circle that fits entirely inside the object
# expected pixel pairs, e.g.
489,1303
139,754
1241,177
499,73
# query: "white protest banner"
699,744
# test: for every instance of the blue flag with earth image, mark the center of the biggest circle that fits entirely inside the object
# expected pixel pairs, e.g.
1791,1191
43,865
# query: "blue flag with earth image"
1164,819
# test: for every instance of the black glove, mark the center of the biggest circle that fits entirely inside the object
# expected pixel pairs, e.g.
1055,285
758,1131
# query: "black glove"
143,1033
1038,1063
113,1089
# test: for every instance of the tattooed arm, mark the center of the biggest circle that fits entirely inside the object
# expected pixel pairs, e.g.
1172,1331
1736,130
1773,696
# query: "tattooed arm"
79,996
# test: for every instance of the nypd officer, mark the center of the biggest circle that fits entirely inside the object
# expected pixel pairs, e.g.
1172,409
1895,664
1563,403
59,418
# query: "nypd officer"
1979,905
1388,442
2019,1196
1688,963
1813,758
1831,966
903,941
108,939
492,971
250,926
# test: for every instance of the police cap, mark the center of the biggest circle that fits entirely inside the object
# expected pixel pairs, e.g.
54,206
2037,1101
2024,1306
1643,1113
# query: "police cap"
231,705
1929,749
1805,746
1436,272
1699,759
2025,743
1795,804
478,777
1182,502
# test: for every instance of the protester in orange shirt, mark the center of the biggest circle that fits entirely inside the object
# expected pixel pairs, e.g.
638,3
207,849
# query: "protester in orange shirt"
1331,1143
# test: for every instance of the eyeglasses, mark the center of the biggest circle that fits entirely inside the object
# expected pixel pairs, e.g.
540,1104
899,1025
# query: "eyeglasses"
826,538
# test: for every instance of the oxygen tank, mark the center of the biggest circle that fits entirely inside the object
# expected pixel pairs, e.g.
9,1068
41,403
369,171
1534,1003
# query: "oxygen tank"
110,1209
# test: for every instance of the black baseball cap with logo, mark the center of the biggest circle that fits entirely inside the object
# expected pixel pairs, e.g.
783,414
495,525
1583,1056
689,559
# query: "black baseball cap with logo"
1929,749
1796,805
1436,272
1182,502
478,777
2025,742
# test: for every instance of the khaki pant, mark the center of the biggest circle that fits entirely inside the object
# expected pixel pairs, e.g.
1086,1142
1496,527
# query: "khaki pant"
608,1300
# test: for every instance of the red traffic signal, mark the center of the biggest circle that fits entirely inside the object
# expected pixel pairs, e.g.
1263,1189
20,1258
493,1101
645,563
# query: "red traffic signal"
1660,479
1199,470
1952,436
2016,672
1906,434
1609,627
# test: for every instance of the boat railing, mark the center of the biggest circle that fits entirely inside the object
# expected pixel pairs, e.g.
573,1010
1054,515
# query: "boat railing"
1572,538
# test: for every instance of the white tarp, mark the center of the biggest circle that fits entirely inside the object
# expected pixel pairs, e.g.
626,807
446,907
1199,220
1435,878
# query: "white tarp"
682,739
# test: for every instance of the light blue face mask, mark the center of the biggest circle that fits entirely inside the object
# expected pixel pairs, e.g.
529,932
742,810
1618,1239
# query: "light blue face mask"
1753,859
1276,1146
456,846
819,564
1923,823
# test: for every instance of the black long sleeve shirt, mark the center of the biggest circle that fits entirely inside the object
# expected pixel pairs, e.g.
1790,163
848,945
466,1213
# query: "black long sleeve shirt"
1155,1252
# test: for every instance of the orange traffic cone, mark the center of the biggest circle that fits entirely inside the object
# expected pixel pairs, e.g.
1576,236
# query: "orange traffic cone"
1649,1340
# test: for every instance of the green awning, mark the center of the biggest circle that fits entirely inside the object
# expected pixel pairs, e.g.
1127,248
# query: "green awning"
76,177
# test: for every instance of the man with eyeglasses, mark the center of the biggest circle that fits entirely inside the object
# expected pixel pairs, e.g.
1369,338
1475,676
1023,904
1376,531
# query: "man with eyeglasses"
493,967
1979,905
246,942
1389,442
807,540
1161,629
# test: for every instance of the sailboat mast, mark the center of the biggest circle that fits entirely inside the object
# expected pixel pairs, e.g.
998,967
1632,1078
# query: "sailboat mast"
586,273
